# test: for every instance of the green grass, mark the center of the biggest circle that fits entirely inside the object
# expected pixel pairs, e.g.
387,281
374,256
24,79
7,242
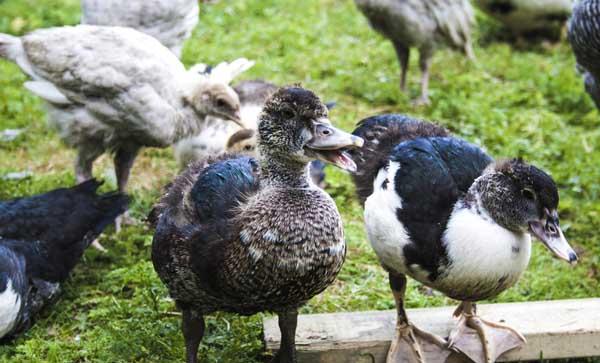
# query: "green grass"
526,102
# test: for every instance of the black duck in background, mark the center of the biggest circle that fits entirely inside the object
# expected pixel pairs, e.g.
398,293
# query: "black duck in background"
584,35
441,211
41,240
247,235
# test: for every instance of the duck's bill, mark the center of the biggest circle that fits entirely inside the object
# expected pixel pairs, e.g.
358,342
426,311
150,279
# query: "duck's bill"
236,117
339,158
550,234
330,144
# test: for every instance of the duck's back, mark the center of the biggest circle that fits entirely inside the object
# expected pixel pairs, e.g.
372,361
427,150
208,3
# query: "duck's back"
136,95
170,21
53,229
420,23
414,191
223,242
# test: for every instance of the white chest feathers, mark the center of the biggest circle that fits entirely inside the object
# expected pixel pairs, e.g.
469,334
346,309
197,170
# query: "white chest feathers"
10,305
484,258
386,233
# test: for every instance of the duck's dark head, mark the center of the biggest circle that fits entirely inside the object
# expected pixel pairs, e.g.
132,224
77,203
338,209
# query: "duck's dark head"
522,197
294,129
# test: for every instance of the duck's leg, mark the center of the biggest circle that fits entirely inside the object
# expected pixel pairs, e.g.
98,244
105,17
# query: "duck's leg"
123,160
287,325
407,344
83,172
192,326
402,52
493,338
425,55
84,162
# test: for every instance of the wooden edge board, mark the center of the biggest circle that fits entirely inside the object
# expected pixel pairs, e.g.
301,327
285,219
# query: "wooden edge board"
553,329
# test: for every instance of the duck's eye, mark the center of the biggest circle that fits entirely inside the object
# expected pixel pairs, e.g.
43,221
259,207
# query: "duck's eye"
247,147
528,194
221,103
287,113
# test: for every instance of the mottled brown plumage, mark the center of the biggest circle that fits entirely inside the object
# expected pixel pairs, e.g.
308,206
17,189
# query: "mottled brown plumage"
243,235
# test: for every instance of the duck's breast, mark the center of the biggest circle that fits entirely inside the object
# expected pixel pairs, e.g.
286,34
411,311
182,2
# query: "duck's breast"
385,231
10,306
484,258
291,247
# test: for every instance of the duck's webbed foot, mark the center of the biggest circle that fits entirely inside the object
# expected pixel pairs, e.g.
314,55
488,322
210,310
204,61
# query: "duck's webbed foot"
125,219
411,344
492,340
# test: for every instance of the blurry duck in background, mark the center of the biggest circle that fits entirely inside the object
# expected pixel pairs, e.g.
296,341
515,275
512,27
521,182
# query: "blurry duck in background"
248,235
115,89
169,21
423,25
42,238
212,140
584,36
441,211
530,18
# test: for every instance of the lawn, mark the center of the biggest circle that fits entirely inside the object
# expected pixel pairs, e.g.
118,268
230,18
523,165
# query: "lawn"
526,102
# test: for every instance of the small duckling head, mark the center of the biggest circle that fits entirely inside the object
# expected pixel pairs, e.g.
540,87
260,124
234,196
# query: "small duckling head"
294,129
217,99
522,197
242,142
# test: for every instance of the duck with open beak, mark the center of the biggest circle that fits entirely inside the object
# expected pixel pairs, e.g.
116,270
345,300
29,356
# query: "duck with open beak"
330,144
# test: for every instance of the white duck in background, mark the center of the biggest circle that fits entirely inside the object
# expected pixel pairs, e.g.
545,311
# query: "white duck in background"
169,21
529,17
116,89
212,140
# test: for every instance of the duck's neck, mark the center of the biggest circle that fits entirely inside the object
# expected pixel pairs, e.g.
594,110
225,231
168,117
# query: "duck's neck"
187,124
484,199
284,173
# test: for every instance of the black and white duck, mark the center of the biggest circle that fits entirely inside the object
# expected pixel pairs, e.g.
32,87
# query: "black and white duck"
443,212
247,235
41,240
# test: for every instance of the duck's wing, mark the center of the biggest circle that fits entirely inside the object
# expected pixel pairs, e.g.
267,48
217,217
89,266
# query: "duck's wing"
381,134
195,219
170,21
122,76
454,19
53,229
431,174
